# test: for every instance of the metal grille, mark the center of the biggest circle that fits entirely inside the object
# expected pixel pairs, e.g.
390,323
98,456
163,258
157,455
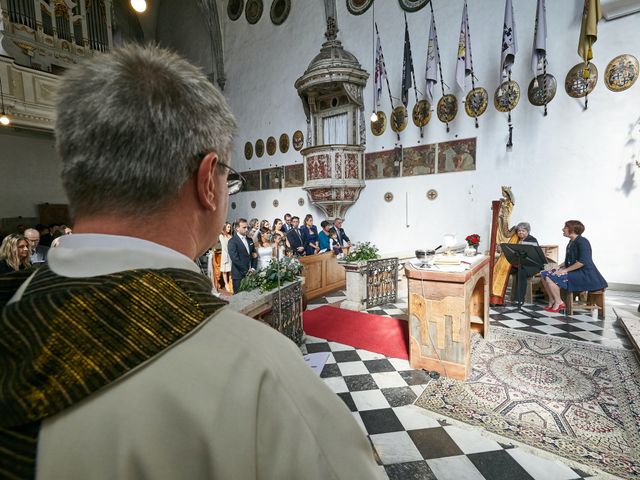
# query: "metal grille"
286,312
382,281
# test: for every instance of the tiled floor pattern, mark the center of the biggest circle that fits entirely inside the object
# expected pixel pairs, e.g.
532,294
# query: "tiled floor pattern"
411,443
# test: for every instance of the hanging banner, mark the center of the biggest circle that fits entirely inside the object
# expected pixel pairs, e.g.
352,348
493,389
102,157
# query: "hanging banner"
463,65
509,41
539,52
591,14
433,59
379,71
407,67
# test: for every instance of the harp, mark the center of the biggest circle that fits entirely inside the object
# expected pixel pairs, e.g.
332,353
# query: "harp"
500,233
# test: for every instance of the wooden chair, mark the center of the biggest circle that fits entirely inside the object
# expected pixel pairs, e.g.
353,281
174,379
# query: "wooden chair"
586,301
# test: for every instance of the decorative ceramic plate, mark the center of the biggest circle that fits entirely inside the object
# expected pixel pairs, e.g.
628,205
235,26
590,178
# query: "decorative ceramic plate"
284,143
233,205
259,148
432,194
576,85
542,89
421,113
271,145
253,11
301,201
297,140
358,7
388,197
621,73
412,5
447,108
253,204
276,203
380,125
234,9
507,96
399,119
279,11
248,150
476,102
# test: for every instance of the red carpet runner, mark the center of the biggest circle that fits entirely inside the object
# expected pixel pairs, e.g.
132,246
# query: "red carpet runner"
388,336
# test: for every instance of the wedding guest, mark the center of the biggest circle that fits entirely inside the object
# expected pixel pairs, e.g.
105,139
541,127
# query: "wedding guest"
287,223
14,253
279,247
334,245
278,227
323,236
310,235
343,239
225,260
38,252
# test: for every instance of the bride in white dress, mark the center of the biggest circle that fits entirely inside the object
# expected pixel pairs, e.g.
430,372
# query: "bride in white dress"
265,251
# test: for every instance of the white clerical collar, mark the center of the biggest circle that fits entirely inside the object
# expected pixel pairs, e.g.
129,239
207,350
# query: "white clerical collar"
92,254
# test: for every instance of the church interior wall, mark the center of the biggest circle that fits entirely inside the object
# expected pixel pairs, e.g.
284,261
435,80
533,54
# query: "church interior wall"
29,172
571,164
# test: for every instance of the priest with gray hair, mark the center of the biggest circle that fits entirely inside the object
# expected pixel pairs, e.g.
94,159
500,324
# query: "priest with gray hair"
117,361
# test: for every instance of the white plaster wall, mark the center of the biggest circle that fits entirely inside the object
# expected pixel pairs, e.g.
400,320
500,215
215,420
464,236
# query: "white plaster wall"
29,173
571,164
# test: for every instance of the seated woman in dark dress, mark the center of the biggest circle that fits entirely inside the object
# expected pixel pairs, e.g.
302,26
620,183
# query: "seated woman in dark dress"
578,273
310,236
15,254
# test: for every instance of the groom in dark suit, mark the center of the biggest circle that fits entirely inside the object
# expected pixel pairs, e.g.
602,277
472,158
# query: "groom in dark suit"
242,254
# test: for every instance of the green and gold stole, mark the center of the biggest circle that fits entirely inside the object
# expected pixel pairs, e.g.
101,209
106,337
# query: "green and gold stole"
67,338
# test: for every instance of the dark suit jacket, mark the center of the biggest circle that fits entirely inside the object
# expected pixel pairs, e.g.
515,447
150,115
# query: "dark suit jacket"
295,241
241,261
342,237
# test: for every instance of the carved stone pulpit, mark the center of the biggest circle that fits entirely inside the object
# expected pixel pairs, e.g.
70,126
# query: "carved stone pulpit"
331,92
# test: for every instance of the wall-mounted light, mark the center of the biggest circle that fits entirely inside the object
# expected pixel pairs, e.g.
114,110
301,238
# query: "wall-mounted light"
4,119
139,5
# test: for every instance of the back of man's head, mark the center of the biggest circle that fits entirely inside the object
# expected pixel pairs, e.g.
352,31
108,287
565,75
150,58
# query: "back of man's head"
130,129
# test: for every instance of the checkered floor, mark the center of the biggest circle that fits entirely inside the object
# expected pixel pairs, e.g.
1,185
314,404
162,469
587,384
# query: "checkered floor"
411,443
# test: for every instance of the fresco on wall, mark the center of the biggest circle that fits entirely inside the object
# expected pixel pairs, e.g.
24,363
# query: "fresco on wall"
379,165
252,181
294,175
271,178
457,155
419,160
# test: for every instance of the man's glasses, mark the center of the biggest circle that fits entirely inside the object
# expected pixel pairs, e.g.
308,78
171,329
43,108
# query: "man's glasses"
235,181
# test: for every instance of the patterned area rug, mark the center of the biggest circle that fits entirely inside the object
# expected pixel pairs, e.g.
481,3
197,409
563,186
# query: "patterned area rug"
576,399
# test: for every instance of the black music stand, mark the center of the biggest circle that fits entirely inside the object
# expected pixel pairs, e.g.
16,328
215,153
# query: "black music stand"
523,256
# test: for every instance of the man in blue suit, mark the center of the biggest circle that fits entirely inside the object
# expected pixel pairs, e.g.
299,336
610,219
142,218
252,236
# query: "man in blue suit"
295,238
242,254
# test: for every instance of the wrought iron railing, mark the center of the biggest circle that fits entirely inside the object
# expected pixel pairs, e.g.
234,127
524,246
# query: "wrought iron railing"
286,312
382,281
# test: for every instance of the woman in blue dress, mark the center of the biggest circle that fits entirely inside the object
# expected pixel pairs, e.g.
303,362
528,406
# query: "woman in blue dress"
578,273
310,235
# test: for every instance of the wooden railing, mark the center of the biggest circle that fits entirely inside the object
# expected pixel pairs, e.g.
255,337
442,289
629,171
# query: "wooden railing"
322,274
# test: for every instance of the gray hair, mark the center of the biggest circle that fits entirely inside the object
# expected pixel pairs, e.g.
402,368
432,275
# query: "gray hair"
130,127
524,226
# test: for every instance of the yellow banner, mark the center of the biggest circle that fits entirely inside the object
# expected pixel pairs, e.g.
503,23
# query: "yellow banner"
591,14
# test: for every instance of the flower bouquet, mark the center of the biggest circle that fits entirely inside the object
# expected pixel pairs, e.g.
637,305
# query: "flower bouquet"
362,252
287,268
473,240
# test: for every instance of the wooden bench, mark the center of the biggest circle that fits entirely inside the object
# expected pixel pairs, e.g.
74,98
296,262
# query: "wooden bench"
586,301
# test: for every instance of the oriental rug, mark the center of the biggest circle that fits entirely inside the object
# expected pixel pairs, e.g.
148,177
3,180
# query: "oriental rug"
575,399
388,336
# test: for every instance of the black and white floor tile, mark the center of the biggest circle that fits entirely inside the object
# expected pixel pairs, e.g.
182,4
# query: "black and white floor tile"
411,443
